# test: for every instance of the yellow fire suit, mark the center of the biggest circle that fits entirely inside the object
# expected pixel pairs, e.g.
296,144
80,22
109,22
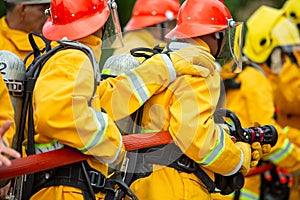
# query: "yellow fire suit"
6,112
185,109
287,97
62,115
287,101
16,41
254,102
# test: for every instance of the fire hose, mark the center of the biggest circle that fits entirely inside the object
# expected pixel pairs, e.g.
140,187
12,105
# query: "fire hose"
39,162
64,156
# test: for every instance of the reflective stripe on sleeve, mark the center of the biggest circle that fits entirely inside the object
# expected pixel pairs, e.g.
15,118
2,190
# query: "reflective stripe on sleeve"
246,194
117,154
148,131
281,153
42,148
139,88
170,67
97,137
219,148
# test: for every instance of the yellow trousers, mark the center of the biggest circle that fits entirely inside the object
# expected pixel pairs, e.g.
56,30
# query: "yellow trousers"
61,193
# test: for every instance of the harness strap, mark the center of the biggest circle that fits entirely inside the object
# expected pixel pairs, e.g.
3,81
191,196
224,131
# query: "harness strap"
71,175
84,178
170,155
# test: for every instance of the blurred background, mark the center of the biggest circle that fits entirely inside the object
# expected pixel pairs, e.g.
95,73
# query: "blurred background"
240,9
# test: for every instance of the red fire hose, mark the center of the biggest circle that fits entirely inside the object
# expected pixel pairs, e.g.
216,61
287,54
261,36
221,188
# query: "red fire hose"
65,156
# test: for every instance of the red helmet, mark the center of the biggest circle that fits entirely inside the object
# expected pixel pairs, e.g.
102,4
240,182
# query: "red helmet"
146,13
199,17
75,19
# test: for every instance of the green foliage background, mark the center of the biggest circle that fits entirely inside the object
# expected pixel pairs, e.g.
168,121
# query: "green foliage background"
240,9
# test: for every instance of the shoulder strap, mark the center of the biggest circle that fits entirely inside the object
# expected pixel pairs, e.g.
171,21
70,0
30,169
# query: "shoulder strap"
32,73
36,50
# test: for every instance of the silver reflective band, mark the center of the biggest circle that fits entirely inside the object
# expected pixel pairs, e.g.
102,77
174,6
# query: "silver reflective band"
42,148
139,86
170,67
102,121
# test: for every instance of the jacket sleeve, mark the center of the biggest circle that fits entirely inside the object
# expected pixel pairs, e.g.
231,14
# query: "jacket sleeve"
193,128
125,94
6,113
62,111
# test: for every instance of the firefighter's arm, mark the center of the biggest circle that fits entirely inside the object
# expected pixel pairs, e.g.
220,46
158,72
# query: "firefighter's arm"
125,94
71,120
285,154
193,129
193,60
4,150
246,156
292,134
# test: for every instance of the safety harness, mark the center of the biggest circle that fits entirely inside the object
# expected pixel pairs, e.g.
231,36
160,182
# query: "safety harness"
79,175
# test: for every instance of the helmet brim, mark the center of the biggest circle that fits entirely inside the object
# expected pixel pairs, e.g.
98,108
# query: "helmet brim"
190,31
75,31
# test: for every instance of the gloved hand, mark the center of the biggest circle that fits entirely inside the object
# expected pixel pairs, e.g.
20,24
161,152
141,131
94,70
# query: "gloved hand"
193,60
256,154
266,149
262,149
246,149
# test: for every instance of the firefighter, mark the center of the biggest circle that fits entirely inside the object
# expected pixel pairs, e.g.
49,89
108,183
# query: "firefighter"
67,98
286,99
22,17
149,22
285,92
268,43
186,110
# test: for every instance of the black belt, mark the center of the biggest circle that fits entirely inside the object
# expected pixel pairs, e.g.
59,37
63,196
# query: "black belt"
170,155
70,175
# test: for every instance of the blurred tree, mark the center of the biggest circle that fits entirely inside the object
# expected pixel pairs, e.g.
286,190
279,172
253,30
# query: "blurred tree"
2,9
242,9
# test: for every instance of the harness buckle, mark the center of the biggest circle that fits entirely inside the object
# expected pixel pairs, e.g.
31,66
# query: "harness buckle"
186,163
97,179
